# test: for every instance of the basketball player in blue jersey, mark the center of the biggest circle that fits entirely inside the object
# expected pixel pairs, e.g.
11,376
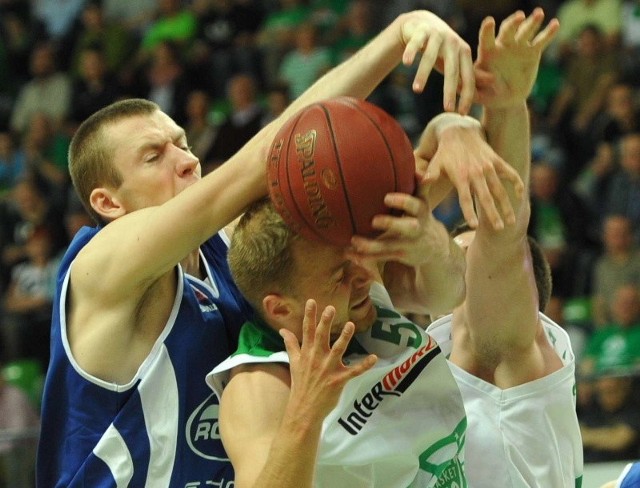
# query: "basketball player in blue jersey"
629,478
145,305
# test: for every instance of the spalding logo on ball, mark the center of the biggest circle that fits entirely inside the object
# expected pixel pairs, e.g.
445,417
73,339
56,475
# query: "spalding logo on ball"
331,165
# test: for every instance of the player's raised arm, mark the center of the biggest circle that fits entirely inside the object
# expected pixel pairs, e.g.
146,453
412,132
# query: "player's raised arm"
164,232
501,316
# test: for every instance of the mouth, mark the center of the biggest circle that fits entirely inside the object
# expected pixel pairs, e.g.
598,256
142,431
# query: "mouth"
364,301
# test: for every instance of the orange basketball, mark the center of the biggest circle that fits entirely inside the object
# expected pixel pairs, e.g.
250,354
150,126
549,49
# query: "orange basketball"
331,165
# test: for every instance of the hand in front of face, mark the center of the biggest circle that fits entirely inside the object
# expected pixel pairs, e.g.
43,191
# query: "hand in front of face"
507,65
407,239
430,38
465,158
318,374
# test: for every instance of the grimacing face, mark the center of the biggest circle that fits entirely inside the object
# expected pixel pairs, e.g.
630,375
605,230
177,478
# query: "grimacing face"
152,154
324,274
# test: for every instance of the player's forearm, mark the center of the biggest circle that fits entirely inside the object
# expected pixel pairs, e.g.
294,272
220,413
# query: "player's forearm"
442,285
498,269
437,286
292,459
508,133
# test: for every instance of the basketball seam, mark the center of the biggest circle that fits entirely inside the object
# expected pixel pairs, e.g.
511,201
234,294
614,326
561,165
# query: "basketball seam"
386,143
340,172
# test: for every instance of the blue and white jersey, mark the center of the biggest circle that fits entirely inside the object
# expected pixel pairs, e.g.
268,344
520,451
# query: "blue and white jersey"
160,429
630,476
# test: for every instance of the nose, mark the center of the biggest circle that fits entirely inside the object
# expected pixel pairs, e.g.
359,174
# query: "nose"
360,276
187,162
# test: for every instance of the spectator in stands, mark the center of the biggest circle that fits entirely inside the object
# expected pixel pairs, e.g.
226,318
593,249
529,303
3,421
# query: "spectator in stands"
630,39
17,416
30,206
116,43
48,91
241,124
56,19
306,63
226,42
28,301
610,424
95,87
353,32
278,99
327,16
559,222
592,182
16,40
277,34
15,48
623,192
75,216
175,22
590,72
620,117
617,266
618,342
12,162
201,132
165,80
46,150
575,15
134,16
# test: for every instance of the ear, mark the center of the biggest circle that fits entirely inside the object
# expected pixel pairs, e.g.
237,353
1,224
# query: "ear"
278,310
106,204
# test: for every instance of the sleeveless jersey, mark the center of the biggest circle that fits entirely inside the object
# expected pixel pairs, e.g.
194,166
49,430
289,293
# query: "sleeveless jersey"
525,436
401,424
630,476
160,429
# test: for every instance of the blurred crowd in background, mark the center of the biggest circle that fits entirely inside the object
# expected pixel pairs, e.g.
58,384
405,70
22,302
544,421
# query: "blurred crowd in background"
225,68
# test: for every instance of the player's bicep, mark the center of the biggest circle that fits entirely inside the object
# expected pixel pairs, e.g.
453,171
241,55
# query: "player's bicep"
502,298
251,410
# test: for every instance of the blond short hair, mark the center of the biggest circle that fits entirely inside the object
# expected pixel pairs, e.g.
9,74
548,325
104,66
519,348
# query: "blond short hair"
260,255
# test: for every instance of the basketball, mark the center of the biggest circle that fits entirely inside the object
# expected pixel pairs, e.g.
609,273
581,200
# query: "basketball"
331,165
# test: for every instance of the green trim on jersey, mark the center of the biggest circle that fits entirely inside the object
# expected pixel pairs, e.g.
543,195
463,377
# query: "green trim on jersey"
258,339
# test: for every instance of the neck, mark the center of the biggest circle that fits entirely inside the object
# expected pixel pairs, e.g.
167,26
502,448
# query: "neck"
191,264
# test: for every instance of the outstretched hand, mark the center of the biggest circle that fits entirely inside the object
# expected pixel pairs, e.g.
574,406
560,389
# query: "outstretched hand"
507,65
430,38
318,374
454,146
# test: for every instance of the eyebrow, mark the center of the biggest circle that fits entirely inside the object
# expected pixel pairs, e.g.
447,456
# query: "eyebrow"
154,144
337,269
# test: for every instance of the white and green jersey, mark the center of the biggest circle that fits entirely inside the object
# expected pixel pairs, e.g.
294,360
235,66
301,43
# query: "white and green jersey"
401,424
527,436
